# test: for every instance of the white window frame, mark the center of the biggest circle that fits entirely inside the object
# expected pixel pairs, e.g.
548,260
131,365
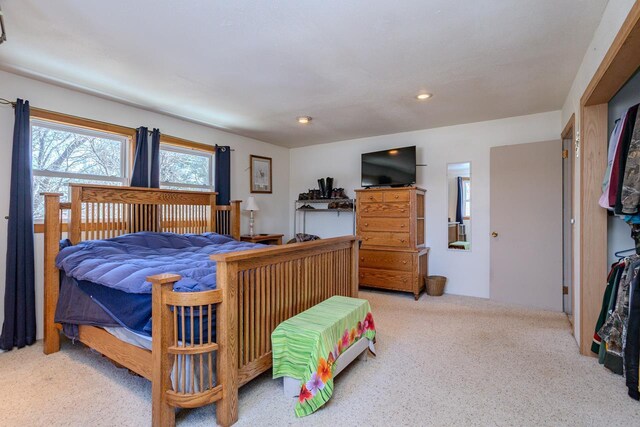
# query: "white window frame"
124,153
122,180
466,187
192,152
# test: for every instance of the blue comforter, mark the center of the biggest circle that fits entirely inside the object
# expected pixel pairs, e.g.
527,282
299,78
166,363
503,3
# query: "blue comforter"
124,262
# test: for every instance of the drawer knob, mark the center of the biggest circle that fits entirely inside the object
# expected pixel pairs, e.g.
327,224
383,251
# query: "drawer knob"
366,238
366,224
402,240
362,259
401,210
401,225
397,196
404,262
370,197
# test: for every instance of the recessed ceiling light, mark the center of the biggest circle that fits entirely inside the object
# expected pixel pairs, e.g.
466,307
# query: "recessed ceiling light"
305,120
423,96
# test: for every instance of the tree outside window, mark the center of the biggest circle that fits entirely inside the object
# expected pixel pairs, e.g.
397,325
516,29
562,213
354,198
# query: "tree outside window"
63,154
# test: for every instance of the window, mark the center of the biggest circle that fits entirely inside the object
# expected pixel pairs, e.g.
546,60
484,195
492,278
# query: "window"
185,168
63,154
466,191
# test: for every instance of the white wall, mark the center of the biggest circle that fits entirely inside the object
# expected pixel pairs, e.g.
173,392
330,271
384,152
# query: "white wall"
611,22
273,215
468,272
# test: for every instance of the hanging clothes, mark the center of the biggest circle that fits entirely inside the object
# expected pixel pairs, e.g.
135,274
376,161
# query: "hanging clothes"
630,195
632,340
616,339
613,146
602,353
615,167
611,279
614,328
632,179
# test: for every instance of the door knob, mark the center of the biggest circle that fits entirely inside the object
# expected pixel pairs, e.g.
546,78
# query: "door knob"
494,234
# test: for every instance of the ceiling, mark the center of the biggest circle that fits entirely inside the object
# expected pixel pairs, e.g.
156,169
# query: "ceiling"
252,67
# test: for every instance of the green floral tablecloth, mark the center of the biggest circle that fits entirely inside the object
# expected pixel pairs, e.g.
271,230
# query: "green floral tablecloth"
306,346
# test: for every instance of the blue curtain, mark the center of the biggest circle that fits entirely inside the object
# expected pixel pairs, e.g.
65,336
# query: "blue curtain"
140,176
155,159
459,206
19,328
223,175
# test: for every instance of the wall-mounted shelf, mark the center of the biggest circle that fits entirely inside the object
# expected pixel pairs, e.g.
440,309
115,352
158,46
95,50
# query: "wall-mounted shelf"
324,203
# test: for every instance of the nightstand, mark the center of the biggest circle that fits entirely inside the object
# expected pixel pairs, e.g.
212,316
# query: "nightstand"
265,239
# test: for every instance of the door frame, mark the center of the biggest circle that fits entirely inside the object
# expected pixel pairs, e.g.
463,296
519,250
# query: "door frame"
618,65
569,132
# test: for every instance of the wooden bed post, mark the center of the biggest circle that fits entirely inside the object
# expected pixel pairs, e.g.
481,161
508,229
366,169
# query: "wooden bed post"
235,219
52,235
213,216
75,217
227,338
162,331
355,279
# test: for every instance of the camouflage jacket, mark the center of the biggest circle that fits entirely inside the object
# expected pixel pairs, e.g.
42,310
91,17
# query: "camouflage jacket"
613,332
630,197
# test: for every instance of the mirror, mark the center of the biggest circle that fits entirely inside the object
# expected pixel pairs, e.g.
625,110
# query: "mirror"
459,206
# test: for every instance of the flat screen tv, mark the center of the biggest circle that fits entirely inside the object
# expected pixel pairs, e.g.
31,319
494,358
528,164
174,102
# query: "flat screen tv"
395,167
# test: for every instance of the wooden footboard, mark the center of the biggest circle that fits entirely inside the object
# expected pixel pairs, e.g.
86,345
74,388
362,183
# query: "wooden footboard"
272,285
256,290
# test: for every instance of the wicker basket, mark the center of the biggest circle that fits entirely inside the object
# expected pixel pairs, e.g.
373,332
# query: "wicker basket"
435,285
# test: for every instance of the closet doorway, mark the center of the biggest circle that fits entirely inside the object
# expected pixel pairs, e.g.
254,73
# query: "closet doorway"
568,162
526,226
620,63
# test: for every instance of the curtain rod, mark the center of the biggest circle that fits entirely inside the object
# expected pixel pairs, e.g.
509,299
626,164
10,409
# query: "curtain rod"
4,101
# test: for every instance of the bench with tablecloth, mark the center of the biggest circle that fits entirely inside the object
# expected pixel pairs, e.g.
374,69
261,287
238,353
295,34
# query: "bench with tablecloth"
307,347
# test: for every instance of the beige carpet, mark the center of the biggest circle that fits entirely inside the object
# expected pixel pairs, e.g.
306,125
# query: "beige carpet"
441,361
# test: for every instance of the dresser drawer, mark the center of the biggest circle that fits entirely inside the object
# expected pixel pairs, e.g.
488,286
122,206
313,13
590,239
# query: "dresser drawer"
386,259
399,209
384,224
382,238
396,196
371,197
387,279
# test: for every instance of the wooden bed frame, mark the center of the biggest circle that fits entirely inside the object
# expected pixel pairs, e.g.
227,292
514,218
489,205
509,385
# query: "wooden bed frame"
256,290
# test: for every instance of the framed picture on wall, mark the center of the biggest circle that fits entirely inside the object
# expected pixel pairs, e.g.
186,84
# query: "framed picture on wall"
260,174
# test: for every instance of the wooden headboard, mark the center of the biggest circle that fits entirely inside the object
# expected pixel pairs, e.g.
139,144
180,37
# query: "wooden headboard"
102,212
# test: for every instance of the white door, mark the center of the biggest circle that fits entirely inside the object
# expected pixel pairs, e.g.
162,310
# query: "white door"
526,224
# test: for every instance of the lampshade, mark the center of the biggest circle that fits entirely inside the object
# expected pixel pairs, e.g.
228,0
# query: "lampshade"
251,204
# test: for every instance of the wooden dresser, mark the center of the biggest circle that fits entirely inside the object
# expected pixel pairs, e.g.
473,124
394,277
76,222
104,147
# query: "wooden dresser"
391,224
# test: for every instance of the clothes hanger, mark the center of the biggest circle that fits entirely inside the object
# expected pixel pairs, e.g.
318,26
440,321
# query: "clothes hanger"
619,254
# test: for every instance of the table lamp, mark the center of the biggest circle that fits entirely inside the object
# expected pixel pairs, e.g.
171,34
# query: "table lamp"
251,206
